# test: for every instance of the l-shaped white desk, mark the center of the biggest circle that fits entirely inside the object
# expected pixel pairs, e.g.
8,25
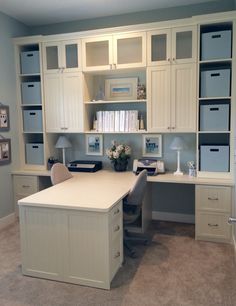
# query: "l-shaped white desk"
73,231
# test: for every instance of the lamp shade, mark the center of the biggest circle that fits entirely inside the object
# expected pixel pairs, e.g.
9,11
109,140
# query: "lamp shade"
62,143
177,144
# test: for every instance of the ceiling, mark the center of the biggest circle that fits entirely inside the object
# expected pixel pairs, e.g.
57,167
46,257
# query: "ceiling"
42,12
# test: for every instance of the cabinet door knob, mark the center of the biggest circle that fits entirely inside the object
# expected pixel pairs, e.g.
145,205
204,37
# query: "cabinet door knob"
117,228
168,59
168,127
117,211
110,66
117,255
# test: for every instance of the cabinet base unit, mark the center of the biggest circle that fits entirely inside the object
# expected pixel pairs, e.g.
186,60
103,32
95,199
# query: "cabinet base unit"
213,208
72,245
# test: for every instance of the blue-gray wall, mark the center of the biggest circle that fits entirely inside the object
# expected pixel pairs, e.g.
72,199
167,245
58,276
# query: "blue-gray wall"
136,18
8,28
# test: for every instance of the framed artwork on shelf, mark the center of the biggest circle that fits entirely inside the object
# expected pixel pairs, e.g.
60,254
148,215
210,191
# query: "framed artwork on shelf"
4,118
152,145
5,151
121,89
94,144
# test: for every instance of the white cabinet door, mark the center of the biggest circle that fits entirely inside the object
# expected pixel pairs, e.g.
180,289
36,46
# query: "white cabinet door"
172,98
51,57
129,50
54,109
97,53
184,44
183,98
159,47
158,111
73,102
63,102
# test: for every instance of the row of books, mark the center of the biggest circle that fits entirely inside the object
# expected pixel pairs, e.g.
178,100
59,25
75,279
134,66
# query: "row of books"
117,121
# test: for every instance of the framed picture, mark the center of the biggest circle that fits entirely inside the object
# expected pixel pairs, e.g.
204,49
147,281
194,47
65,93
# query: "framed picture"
152,145
94,144
4,118
5,151
121,89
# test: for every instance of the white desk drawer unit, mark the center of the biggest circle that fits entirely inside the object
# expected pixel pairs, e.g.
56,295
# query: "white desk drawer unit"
25,184
213,208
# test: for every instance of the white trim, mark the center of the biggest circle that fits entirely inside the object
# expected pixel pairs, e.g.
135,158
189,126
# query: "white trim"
174,217
234,246
7,220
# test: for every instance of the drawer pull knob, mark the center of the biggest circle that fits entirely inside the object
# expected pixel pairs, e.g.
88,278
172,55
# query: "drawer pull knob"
117,255
213,199
117,211
231,220
117,228
25,186
213,225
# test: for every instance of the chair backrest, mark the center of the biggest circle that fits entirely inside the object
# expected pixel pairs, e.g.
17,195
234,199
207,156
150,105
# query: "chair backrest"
137,192
59,173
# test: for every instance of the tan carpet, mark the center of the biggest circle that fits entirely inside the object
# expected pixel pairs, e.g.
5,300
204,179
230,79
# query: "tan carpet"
173,270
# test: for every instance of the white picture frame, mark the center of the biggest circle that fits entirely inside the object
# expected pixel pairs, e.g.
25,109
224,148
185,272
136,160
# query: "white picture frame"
121,89
94,144
152,145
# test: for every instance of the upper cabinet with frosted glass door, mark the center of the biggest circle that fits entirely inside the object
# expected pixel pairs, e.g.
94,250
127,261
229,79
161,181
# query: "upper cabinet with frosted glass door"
113,52
62,56
172,46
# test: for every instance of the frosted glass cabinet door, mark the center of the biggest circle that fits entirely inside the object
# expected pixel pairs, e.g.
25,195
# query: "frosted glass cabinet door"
63,56
97,53
129,50
184,45
159,47
51,55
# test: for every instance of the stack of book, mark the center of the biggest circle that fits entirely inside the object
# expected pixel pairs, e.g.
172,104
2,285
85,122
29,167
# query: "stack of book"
117,121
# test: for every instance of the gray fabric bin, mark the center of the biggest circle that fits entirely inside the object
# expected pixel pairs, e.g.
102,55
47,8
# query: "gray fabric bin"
31,93
215,83
34,153
30,62
33,121
214,117
216,45
214,158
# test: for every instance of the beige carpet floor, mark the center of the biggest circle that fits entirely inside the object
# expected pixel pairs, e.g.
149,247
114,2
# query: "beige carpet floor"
174,270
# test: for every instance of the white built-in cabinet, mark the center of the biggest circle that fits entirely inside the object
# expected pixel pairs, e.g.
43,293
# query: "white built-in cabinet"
63,86
63,102
172,98
110,52
171,81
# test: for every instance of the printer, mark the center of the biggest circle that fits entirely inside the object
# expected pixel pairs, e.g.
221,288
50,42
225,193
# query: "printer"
84,166
152,166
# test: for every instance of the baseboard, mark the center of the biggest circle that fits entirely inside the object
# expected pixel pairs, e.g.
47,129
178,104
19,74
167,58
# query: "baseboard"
5,221
165,216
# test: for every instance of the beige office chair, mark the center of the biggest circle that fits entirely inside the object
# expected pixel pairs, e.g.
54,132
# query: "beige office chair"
132,207
59,173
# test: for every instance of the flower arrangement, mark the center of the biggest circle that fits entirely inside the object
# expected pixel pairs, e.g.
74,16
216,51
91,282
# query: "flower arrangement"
119,155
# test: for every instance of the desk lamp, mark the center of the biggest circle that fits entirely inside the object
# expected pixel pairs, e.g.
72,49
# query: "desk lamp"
177,145
63,143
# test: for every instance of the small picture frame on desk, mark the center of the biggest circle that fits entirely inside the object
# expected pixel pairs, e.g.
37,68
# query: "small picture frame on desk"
152,145
121,89
5,151
94,144
4,118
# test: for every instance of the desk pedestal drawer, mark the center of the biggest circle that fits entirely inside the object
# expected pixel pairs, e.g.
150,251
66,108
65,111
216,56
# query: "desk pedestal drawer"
212,226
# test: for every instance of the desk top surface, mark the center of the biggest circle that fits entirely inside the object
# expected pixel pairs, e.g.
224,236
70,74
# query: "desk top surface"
101,190
98,191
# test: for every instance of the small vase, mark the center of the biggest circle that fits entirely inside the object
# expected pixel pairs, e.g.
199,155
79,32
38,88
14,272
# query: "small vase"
121,165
